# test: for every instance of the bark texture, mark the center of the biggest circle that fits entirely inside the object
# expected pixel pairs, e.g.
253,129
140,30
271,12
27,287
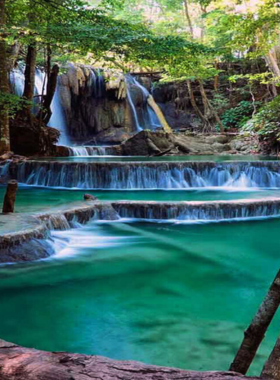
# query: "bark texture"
159,114
4,86
10,197
188,17
255,333
30,72
18,363
271,368
46,113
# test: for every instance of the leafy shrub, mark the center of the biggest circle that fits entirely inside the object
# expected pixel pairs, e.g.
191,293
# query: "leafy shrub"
238,116
267,121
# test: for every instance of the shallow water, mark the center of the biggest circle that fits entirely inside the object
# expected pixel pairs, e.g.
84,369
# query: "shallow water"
177,295
30,199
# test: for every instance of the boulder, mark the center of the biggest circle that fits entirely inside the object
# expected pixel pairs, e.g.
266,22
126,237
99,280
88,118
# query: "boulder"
32,138
89,197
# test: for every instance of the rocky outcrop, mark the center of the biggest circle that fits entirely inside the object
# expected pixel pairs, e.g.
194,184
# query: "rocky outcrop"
95,110
17,363
24,237
149,143
32,138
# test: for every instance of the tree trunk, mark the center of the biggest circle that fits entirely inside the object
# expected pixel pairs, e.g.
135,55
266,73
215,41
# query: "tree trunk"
272,64
209,111
30,72
45,113
203,12
188,17
193,103
10,197
216,79
255,333
13,53
49,59
159,114
4,86
271,369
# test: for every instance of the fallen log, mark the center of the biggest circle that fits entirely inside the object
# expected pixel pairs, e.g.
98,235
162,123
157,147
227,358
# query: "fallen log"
18,363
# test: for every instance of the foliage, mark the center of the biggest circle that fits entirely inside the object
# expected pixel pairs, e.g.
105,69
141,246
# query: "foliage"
238,116
220,103
12,103
266,122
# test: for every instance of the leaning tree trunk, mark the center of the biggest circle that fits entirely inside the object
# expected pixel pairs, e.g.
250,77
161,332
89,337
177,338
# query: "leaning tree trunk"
271,369
159,114
45,113
255,333
4,86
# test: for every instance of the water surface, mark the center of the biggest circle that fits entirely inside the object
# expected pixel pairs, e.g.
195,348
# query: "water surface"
176,295
30,199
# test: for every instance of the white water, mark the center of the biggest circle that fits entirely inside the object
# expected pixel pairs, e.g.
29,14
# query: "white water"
150,175
57,119
87,151
152,120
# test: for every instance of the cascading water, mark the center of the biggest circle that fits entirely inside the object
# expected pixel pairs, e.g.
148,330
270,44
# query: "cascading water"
197,211
148,116
149,175
17,80
57,119
87,151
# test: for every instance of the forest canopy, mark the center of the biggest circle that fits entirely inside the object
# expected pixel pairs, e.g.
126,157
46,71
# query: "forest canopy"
192,41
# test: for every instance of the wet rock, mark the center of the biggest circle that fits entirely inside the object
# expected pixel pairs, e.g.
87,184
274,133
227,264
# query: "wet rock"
217,147
62,151
89,197
30,250
147,143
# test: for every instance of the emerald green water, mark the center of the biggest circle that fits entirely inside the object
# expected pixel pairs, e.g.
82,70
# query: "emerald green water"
176,295
30,199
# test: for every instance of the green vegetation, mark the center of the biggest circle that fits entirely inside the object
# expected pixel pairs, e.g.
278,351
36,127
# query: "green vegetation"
201,43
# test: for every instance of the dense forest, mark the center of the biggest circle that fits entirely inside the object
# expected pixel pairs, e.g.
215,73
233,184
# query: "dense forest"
221,58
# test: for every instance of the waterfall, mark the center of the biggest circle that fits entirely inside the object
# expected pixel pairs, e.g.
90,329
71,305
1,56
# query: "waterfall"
150,120
87,151
148,175
57,119
17,80
198,211
132,106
